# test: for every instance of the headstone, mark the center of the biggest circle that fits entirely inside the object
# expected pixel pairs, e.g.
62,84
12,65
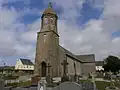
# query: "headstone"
56,79
68,86
1,84
42,85
87,85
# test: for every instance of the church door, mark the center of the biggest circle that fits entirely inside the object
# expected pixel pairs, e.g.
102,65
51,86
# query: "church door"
43,71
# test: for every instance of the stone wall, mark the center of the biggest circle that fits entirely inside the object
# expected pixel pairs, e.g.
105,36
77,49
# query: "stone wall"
87,68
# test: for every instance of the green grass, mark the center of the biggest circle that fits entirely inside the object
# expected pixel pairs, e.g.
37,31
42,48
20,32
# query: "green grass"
20,84
101,84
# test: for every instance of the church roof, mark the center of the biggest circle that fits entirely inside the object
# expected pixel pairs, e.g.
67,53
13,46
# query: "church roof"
87,58
49,10
90,58
68,53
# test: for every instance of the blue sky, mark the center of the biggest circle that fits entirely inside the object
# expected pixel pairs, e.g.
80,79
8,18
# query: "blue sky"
85,26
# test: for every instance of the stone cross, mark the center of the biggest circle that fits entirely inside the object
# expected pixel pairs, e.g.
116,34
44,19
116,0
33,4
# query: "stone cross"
65,63
75,77
42,85
50,5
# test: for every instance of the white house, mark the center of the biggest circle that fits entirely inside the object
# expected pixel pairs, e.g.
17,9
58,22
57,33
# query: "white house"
24,64
99,65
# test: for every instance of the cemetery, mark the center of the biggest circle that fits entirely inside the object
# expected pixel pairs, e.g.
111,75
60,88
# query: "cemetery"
80,84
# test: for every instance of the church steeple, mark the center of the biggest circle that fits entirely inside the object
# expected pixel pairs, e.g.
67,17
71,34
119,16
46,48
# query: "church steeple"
49,19
47,50
49,10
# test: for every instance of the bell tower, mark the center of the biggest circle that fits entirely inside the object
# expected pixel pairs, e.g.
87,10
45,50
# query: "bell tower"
49,20
47,47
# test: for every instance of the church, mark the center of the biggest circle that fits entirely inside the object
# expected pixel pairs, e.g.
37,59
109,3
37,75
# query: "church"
53,59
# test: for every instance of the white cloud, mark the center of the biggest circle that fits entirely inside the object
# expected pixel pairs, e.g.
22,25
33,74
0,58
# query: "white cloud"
111,15
31,35
11,30
69,7
91,39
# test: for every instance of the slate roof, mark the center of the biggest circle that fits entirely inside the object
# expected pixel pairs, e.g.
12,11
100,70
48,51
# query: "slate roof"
26,61
81,58
99,63
90,58
68,53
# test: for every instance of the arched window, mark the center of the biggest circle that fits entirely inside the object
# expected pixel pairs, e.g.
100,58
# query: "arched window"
46,20
43,69
45,37
52,20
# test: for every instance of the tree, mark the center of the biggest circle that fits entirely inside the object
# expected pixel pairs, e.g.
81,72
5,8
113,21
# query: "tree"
112,63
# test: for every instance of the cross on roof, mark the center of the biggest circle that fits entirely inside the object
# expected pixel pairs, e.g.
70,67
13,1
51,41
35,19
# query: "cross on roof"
50,5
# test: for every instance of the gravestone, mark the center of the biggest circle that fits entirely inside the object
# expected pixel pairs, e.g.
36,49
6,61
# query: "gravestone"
87,85
1,84
68,86
42,85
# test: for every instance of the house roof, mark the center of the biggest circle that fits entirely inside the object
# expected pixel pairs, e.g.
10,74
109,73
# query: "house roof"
26,61
90,58
99,63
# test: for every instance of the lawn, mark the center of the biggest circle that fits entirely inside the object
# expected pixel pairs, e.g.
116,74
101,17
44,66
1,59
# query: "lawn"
20,84
102,84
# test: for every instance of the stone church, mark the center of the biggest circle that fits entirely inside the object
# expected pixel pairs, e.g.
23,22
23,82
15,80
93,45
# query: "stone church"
51,58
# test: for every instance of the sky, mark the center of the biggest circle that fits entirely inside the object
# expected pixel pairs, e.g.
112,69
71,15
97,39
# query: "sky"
84,26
